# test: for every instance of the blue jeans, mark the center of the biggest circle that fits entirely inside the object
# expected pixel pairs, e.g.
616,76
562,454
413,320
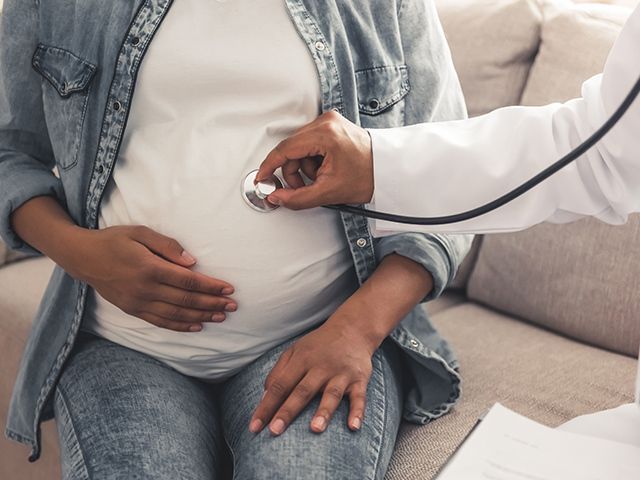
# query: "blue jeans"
124,415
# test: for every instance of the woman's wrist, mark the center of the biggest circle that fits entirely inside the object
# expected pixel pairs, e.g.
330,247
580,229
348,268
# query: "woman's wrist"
373,312
358,321
72,250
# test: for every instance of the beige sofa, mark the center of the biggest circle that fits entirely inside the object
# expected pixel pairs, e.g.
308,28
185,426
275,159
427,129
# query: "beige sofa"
546,321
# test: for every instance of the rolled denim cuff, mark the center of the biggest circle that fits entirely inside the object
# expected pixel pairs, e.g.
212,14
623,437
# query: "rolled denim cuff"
17,188
425,250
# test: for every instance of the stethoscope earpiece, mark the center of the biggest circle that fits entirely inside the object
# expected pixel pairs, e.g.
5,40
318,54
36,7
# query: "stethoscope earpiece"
255,194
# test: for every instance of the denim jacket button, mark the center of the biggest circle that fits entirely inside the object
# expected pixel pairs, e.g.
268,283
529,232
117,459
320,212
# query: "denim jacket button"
362,242
117,105
135,41
320,45
100,169
414,343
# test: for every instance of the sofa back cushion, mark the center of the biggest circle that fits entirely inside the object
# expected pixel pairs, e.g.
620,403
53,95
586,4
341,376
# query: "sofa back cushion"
493,43
578,279
575,43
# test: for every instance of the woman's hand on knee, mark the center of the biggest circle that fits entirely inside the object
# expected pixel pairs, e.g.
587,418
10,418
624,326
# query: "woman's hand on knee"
333,361
148,275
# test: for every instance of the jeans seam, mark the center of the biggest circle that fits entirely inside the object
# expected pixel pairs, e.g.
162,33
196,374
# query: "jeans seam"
376,464
233,455
67,415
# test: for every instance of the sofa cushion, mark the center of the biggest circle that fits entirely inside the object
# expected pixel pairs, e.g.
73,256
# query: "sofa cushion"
532,371
21,287
580,279
492,71
448,300
575,44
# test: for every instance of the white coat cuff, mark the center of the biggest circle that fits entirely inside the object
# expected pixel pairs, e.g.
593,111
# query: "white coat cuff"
384,145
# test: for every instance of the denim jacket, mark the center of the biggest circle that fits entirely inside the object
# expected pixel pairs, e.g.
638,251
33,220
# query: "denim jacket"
67,76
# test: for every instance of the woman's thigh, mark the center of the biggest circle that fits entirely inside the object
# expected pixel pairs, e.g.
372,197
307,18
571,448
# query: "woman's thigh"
123,415
336,454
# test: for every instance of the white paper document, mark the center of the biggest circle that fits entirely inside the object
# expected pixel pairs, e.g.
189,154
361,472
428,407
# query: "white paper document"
621,424
638,383
508,446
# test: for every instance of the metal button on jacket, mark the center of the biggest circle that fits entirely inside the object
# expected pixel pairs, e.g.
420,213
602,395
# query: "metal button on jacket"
362,242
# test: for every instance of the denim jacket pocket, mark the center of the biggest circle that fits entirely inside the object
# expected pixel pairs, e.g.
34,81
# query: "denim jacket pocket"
381,93
65,92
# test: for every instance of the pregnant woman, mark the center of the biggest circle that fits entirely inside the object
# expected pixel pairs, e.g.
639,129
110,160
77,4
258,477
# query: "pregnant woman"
180,324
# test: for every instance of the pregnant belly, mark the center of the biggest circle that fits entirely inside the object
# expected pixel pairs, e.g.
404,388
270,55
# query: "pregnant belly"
269,313
290,273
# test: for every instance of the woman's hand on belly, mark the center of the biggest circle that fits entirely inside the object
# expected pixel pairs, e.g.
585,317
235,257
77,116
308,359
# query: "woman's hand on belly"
335,359
148,275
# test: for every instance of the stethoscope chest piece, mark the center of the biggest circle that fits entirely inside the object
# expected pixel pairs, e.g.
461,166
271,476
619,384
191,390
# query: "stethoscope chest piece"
256,194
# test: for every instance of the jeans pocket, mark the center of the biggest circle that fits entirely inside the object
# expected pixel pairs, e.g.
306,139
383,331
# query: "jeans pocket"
65,91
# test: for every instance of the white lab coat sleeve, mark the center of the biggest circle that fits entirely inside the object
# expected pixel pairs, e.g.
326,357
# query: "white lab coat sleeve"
445,168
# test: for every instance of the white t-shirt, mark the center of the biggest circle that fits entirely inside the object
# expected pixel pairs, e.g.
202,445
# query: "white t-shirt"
221,85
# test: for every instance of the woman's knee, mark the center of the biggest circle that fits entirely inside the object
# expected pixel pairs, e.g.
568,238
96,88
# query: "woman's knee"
338,453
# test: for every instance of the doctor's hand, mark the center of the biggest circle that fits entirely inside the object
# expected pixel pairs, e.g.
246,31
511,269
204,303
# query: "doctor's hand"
334,153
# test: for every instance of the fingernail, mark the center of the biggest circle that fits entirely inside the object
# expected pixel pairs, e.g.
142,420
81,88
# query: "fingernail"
357,423
195,328
231,307
256,426
277,427
188,257
227,291
218,317
274,200
319,423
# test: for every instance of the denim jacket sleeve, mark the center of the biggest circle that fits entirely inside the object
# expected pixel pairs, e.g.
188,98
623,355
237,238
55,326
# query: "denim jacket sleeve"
26,156
435,95
440,255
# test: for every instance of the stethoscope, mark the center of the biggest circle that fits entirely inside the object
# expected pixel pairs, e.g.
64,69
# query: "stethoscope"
255,194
